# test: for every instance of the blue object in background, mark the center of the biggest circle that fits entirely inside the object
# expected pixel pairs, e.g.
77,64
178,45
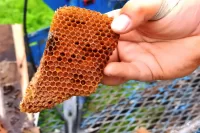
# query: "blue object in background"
37,43
102,6
37,40
54,4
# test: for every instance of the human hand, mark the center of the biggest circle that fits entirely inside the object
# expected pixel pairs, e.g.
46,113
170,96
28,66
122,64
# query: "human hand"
154,50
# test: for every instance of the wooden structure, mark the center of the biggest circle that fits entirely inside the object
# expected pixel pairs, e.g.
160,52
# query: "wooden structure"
13,79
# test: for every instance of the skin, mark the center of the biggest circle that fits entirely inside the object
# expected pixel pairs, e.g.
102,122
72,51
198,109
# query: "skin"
142,130
165,49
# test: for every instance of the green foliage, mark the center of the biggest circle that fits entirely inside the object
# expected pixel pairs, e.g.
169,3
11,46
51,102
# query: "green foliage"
39,15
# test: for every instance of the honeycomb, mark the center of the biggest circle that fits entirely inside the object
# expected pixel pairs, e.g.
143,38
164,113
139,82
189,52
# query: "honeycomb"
78,48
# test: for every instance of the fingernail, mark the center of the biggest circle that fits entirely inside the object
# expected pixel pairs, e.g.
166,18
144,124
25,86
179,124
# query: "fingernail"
121,23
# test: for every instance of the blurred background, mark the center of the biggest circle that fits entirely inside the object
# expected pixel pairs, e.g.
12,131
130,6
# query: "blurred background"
38,13
161,106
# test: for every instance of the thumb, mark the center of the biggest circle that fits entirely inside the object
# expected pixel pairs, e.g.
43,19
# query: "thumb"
134,13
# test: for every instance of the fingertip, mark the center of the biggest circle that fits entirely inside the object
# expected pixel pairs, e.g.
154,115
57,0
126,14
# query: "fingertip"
137,12
108,69
121,23
115,69
113,13
109,14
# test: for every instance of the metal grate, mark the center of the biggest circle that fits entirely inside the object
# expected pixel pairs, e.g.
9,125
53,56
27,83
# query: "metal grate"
159,106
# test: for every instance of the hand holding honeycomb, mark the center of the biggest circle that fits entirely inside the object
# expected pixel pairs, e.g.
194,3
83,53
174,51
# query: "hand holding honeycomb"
78,48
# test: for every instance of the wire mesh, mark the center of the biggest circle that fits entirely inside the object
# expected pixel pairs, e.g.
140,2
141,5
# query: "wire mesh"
159,106
50,120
